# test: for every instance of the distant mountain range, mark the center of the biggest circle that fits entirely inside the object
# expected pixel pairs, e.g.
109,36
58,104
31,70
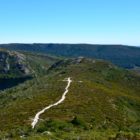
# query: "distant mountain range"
121,55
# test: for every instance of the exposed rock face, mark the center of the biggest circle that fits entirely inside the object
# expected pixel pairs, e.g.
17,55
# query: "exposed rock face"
13,62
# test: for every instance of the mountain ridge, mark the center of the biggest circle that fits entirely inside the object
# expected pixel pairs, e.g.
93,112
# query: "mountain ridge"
121,55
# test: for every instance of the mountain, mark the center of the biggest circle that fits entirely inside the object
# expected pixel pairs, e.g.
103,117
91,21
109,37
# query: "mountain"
123,56
13,69
102,101
17,67
13,64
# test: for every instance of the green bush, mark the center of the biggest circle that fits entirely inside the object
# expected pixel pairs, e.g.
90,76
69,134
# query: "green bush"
78,122
54,125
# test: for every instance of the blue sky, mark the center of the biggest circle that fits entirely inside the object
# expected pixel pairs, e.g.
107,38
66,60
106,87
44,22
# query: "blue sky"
70,21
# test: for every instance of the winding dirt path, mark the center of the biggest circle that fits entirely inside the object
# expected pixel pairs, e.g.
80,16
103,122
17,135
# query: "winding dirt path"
36,118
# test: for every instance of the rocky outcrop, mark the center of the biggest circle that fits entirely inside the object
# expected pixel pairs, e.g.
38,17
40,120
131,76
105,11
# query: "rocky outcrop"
13,62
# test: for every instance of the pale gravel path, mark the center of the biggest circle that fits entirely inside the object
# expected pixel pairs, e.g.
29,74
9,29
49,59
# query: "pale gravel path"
36,118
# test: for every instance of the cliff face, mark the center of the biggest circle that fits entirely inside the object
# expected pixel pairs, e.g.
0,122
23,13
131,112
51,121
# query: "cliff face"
14,69
17,67
13,63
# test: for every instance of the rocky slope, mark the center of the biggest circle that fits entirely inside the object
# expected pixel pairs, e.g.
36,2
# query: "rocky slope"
13,63
17,67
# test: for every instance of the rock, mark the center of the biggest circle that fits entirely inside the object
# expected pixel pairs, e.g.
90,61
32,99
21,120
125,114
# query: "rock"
11,61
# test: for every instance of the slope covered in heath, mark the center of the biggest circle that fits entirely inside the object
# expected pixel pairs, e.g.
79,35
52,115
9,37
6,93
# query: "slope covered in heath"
36,119
103,103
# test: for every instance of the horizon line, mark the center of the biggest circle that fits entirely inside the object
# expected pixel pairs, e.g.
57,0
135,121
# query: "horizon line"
31,43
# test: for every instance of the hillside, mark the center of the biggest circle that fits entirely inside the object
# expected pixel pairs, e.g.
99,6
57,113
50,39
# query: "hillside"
13,69
16,67
124,56
13,64
103,102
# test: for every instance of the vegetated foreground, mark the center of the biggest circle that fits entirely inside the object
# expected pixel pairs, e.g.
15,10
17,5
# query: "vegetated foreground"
35,120
103,103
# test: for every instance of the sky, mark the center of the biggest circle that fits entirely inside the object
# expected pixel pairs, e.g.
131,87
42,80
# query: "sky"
70,21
